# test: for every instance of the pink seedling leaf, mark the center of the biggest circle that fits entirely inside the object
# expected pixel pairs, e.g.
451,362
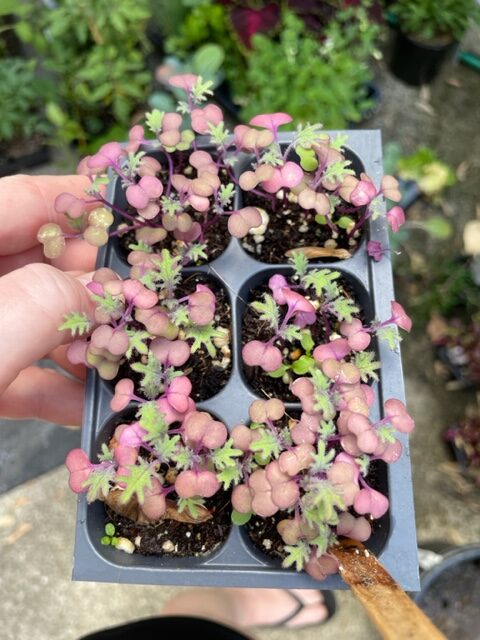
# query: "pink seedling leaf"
132,436
171,414
296,459
185,81
271,121
242,437
77,351
240,222
396,218
106,156
363,193
292,175
203,118
154,504
399,316
199,429
354,331
276,284
115,341
372,502
170,352
336,349
125,455
156,322
242,499
261,354
341,372
178,394
300,308
320,568
149,166
396,411
390,188
190,484
68,203
79,467
356,528
306,429
201,305
390,452
286,494
135,138
375,250
138,295
123,394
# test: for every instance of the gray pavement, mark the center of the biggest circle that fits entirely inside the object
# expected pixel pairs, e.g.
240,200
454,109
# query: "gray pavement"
40,602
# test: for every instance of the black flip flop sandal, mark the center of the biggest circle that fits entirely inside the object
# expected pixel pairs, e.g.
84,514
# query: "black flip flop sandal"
328,601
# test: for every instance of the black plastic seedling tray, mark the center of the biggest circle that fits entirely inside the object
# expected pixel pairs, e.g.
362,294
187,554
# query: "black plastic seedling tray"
237,562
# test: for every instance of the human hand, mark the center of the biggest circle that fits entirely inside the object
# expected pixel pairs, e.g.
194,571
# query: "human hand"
35,293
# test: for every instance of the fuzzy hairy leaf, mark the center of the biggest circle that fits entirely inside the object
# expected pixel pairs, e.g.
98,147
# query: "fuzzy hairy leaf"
77,323
339,141
267,444
106,454
137,342
107,302
320,280
291,333
267,310
299,261
218,134
226,193
344,308
152,376
296,555
338,171
224,457
140,246
98,483
183,457
230,475
366,363
327,429
139,479
191,505
390,335
321,502
308,135
203,335
152,420
154,120
196,252
322,459
386,433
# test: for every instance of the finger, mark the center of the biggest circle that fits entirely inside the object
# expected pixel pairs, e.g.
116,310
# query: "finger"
44,394
59,356
35,299
26,202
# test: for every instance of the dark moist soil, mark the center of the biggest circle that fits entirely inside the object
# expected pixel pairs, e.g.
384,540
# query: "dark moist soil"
291,227
453,601
187,539
254,329
216,235
207,378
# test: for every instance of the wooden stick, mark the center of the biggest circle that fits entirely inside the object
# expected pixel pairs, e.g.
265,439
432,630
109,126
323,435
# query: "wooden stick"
394,614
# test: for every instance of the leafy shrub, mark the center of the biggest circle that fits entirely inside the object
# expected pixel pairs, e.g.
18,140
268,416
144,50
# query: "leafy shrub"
97,53
19,99
312,79
430,19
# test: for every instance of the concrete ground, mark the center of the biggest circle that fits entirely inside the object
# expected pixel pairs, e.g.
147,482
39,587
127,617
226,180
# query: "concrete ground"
39,601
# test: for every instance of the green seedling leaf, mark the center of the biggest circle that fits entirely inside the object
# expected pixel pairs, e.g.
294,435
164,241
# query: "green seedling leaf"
77,323
240,518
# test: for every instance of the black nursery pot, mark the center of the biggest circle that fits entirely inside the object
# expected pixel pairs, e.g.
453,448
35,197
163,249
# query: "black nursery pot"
450,593
417,63
237,562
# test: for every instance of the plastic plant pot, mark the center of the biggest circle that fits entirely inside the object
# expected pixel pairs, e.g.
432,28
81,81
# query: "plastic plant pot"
237,562
417,63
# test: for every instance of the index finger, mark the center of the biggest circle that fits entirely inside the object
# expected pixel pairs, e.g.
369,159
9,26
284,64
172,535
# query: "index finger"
27,202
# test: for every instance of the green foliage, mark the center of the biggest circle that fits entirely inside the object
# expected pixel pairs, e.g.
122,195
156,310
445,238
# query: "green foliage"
230,475
291,333
303,365
338,171
77,323
320,503
390,335
109,538
98,483
366,363
139,479
431,19
153,421
152,375
106,302
203,335
137,342
166,274
296,555
97,55
314,80
106,455
224,457
191,505
240,518
299,262
344,308
425,167
21,95
323,459
267,310
323,281
267,445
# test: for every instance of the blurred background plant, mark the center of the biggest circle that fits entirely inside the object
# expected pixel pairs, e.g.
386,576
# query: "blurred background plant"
94,53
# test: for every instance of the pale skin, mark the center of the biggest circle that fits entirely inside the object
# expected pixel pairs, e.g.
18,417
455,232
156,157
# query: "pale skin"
35,294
